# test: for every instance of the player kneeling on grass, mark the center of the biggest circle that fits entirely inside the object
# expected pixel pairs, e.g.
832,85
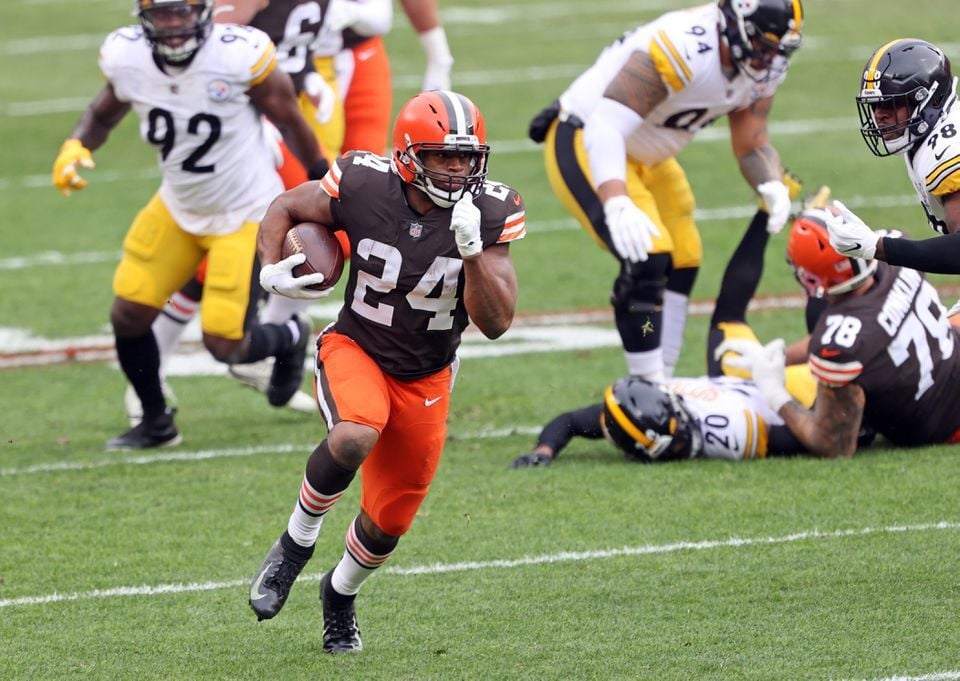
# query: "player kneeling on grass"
430,240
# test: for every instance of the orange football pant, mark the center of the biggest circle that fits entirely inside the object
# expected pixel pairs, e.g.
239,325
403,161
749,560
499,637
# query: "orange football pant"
411,417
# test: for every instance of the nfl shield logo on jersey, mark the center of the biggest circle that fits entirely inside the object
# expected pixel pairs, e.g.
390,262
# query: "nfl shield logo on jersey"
416,229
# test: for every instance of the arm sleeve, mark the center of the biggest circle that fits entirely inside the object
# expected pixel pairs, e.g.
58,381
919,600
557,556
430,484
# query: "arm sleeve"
578,423
940,255
374,17
604,135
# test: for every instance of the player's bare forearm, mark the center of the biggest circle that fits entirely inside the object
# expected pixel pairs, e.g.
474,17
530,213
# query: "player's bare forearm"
490,290
276,99
830,429
637,85
759,161
307,202
101,116
423,14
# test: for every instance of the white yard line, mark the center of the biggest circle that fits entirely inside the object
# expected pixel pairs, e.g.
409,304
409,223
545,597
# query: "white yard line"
146,590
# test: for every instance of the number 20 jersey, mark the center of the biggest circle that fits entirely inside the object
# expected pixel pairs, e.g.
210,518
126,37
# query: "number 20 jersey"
685,49
218,171
895,342
403,302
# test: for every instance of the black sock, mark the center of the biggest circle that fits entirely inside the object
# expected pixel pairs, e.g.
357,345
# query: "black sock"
268,340
293,548
140,360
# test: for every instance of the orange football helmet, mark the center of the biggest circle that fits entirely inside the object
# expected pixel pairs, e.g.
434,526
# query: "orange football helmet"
817,266
440,120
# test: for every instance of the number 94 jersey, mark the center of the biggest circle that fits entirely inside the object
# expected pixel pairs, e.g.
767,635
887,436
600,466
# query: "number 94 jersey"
218,171
896,343
403,303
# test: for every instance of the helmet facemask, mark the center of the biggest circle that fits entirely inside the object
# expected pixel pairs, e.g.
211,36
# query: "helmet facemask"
443,188
907,118
649,423
761,38
175,29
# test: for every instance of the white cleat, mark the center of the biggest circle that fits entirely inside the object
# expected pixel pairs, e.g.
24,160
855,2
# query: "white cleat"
257,376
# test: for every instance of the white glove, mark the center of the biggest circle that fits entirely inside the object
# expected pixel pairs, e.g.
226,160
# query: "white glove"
849,235
323,96
766,363
465,223
278,278
631,230
341,14
776,199
437,75
954,310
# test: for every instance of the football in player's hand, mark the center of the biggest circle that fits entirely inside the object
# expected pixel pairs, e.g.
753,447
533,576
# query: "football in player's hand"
323,251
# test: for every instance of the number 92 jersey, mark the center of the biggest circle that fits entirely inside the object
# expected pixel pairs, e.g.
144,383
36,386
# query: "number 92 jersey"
218,171
403,303
934,166
684,46
895,342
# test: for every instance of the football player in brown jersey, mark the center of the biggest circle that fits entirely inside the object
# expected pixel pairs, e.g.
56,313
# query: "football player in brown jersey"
883,351
429,236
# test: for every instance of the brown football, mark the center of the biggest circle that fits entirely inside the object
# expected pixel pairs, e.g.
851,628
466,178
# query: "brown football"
323,251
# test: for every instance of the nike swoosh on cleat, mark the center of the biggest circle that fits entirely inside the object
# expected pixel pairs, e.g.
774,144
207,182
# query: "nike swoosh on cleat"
255,594
430,403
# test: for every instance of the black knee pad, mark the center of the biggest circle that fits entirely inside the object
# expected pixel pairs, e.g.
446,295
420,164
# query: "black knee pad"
639,288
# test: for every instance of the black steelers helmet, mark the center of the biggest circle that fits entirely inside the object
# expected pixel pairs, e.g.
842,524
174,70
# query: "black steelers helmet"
649,423
903,90
175,29
761,34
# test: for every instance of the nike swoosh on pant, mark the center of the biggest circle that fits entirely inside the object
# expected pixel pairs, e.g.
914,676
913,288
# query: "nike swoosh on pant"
430,403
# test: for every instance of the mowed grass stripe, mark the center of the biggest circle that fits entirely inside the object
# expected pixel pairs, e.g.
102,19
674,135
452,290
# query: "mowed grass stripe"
498,564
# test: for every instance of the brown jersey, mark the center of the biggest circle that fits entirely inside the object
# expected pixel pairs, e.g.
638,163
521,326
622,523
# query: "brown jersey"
293,25
403,303
895,342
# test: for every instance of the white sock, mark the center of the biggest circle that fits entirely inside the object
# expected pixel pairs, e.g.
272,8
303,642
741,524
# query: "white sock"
648,365
350,574
170,324
279,309
307,517
674,321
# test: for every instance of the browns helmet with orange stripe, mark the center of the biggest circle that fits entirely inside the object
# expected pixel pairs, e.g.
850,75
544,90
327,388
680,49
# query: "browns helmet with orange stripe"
648,423
904,90
761,34
442,121
175,29
817,266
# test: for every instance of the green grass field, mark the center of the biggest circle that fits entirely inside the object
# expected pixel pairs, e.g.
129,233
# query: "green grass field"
118,566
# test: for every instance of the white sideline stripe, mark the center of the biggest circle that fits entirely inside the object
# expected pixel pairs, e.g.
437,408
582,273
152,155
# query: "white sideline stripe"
936,676
444,568
206,454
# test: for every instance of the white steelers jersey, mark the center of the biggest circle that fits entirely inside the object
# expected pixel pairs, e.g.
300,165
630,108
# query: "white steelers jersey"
934,166
732,413
218,171
684,46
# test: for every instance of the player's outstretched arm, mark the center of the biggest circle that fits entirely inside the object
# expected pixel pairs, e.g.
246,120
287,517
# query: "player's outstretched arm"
830,429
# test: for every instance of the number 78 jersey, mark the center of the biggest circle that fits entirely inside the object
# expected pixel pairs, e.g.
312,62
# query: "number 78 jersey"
895,342
218,171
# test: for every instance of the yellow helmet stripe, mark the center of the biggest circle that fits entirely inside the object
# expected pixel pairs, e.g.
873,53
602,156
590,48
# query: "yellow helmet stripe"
797,13
871,76
762,435
623,420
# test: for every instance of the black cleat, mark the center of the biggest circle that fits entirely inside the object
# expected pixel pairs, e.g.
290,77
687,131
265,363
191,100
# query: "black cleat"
273,580
287,374
340,631
159,431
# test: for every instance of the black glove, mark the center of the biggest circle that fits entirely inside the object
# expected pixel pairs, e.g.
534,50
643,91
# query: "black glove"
318,169
541,122
532,459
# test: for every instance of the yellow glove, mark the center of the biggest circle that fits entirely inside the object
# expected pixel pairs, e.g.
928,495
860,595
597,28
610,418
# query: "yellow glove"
65,176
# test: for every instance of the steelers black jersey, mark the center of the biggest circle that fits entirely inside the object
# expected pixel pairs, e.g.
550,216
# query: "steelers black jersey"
403,303
293,25
895,342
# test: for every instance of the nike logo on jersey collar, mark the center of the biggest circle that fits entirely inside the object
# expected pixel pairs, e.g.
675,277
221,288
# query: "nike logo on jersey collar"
430,402
255,594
